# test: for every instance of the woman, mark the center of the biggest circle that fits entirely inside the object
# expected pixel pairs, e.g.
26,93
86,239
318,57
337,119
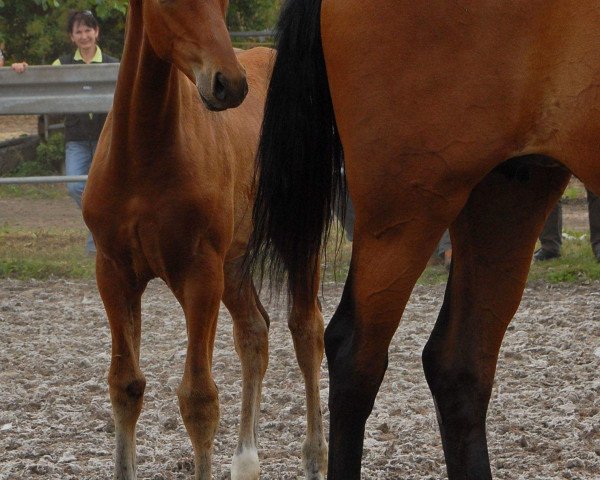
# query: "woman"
81,130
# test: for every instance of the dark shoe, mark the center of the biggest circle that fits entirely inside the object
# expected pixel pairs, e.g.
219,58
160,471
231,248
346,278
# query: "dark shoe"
542,255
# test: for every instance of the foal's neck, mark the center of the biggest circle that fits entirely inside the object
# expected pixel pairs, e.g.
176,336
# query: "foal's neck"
148,96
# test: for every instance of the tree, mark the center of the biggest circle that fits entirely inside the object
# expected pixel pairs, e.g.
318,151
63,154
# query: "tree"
35,30
252,14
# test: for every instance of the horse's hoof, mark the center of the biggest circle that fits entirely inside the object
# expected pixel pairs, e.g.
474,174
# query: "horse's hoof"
245,465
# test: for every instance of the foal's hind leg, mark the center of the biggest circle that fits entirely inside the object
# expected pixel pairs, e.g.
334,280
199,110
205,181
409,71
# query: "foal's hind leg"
121,293
306,326
493,240
250,328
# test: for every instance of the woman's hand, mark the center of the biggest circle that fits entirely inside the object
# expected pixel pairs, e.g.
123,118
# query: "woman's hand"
19,67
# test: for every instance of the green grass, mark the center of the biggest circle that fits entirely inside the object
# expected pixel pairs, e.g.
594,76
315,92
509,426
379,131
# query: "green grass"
42,254
576,265
575,191
44,191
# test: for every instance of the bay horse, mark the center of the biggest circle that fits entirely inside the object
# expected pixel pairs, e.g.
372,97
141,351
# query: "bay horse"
469,114
169,195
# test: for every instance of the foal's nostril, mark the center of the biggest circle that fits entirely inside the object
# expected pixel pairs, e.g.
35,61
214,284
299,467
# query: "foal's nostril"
220,87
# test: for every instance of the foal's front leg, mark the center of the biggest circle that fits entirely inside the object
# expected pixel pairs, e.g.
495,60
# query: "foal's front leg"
121,293
251,329
199,289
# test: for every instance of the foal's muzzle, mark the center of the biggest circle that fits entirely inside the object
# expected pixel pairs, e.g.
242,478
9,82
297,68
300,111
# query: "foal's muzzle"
223,92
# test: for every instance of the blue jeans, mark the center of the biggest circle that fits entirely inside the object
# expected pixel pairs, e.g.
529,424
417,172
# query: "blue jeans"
78,159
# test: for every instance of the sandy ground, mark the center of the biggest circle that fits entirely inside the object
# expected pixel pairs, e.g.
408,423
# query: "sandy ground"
14,126
55,420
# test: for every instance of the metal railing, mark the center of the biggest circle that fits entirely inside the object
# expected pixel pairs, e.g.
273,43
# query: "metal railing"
43,90
58,89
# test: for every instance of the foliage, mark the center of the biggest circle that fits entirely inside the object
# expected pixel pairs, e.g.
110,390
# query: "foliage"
48,161
35,30
244,15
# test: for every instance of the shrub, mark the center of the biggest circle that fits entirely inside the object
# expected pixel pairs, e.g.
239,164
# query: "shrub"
50,157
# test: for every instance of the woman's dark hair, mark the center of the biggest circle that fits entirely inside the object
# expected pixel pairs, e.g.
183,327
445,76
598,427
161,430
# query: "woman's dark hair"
86,17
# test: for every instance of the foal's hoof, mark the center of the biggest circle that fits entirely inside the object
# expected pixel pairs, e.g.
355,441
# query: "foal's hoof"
245,466
314,460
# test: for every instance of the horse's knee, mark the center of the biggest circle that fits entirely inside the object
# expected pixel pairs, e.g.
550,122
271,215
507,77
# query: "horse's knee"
199,406
252,343
461,395
461,392
126,393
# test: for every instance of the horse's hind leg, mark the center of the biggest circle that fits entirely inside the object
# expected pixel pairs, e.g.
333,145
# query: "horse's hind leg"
383,271
493,240
306,326
121,294
250,328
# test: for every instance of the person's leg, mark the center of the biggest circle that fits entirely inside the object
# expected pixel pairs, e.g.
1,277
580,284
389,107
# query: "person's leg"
78,159
594,216
444,249
551,236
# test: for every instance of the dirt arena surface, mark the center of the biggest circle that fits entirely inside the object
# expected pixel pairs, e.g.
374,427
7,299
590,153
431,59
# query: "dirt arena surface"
14,126
55,416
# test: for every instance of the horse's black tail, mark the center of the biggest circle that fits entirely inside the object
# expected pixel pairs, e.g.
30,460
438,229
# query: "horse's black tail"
299,158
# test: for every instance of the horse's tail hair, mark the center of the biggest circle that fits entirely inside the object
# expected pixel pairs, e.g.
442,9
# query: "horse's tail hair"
300,158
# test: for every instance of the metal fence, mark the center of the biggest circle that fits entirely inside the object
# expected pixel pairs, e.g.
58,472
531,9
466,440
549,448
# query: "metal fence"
60,89
43,90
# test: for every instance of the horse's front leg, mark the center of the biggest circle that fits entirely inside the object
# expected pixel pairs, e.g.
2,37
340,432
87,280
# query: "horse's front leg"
250,329
493,240
198,287
121,293
306,325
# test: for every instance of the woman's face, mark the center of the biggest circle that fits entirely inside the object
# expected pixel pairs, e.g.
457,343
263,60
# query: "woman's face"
84,37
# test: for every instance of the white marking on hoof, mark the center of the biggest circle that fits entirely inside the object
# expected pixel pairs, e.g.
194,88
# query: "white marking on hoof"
245,466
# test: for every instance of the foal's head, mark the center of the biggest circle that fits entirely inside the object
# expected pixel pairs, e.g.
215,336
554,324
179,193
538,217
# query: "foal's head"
193,36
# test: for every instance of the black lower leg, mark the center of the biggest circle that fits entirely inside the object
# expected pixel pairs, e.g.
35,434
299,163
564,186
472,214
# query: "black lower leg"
461,403
351,394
